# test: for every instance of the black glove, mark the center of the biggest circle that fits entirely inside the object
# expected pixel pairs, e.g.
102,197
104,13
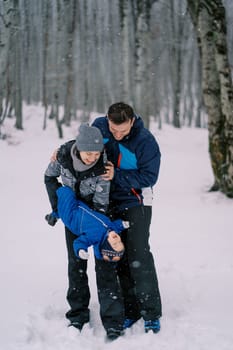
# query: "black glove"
52,218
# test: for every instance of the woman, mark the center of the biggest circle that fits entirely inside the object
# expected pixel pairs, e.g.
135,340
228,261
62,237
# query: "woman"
82,166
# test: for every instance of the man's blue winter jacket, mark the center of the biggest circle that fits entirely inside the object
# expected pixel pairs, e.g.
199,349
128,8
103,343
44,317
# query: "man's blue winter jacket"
90,226
136,159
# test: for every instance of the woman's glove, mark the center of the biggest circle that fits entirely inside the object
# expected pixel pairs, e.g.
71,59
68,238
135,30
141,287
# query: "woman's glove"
52,218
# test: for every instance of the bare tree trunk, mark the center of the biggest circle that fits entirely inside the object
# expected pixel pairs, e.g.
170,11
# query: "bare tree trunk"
56,94
17,65
5,90
142,26
178,24
84,59
125,18
57,119
45,55
209,20
226,98
71,9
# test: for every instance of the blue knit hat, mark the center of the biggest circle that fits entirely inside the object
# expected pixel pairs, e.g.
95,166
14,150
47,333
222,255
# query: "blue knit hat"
107,250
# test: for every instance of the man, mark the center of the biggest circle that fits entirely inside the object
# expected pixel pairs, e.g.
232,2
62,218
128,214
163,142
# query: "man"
135,157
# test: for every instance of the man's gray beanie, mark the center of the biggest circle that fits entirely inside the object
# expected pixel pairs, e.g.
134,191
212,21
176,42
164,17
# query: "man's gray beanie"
89,139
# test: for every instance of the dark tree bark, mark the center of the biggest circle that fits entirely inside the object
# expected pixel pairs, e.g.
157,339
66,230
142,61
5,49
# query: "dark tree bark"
71,9
209,20
45,58
17,58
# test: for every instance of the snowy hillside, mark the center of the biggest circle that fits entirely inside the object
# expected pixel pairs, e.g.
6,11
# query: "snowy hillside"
191,238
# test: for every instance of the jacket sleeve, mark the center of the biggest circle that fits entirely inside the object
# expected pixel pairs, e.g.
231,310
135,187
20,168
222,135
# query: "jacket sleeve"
116,226
81,242
101,195
51,175
68,209
148,164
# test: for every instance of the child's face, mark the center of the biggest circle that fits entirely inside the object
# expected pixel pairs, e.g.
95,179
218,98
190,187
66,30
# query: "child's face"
115,241
89,157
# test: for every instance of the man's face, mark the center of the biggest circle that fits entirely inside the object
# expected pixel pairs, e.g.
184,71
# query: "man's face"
119,131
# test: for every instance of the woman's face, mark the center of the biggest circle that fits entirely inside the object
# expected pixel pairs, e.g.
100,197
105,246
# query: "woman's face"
89,157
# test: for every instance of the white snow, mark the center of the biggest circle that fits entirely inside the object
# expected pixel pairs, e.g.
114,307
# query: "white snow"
191,238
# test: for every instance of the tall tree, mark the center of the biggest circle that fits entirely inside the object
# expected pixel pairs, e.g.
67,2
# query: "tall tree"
16,55
71,10
5,90
45,58
176,57
209,20
142,10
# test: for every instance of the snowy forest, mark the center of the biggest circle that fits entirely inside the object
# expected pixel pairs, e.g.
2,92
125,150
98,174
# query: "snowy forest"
171,59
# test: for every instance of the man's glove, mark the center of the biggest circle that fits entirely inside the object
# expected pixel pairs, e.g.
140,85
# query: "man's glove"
83,254
52,218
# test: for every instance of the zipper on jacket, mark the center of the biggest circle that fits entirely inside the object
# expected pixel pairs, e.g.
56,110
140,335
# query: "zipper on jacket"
137,195
119,160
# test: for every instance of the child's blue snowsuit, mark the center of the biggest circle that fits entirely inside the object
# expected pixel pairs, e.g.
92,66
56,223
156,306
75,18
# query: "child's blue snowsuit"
90,226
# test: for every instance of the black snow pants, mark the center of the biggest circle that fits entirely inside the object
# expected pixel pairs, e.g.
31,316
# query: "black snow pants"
109,294
108,287
78,294
136,270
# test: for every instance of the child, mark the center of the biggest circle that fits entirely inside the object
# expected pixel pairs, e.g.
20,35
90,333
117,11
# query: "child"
91,227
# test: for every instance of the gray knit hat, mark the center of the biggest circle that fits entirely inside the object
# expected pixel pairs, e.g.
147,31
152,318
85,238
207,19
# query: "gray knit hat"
89,139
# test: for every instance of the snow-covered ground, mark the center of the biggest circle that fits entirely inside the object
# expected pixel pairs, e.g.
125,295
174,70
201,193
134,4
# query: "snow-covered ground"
191,238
